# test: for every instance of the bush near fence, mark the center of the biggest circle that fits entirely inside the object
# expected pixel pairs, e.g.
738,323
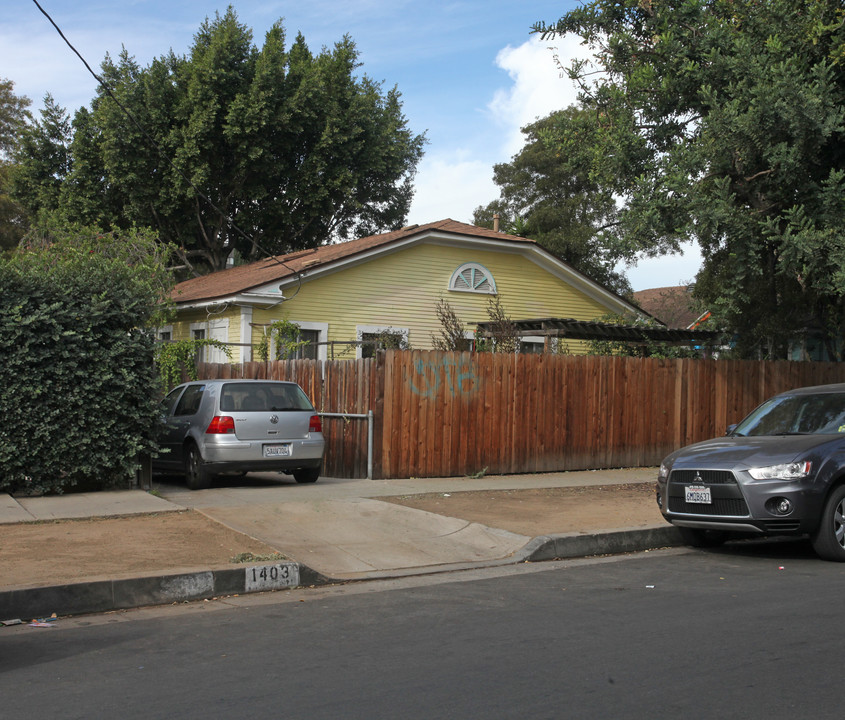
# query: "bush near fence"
449,414
78,397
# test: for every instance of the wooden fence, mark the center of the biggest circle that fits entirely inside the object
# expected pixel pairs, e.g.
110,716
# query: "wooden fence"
444,414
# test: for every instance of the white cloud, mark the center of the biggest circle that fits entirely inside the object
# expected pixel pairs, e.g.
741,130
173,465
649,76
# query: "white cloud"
453,182
451,187
539,86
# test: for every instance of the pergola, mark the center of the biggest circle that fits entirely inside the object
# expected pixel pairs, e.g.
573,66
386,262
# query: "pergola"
549,328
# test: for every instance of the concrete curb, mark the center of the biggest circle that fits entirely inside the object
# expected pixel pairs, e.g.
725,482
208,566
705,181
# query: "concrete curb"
571,545
105,595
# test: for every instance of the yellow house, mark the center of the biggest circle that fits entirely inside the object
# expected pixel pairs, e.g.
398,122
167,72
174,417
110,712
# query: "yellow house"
340,295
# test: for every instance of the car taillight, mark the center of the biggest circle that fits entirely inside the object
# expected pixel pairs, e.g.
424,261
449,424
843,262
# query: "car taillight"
221,425
316,425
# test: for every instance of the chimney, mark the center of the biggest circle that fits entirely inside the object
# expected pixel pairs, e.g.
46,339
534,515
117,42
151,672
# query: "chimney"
495,222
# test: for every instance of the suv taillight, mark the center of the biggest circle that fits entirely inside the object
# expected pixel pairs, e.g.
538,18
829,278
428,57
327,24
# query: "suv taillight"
221,425
316,425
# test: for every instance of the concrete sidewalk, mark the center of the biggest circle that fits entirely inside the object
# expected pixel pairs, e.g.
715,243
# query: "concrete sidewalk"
333,531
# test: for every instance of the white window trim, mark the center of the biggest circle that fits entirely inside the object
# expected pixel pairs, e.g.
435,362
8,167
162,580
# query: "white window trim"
245,349
164,329
473,266
375,330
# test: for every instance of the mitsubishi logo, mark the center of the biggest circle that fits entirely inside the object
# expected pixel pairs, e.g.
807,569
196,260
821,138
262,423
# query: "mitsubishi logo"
697,477
274,419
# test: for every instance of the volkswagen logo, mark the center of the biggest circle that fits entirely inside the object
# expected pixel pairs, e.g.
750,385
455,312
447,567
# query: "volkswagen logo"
274,419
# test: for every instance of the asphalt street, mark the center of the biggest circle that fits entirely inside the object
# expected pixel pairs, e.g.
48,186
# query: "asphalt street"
749,631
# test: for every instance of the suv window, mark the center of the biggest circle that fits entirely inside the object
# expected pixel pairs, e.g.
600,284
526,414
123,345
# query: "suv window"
823,413
189,403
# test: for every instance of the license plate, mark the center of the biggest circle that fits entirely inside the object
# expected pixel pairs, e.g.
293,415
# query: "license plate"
697,494
277,450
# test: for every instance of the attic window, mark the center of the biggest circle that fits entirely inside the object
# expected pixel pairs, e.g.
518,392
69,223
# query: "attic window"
472,277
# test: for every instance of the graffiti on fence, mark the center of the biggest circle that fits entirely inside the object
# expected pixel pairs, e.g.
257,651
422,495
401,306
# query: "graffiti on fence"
458,377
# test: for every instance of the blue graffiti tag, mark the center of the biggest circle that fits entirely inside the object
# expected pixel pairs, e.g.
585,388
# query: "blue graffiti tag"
459,377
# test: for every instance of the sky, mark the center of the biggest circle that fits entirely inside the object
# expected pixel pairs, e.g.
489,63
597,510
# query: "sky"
470,72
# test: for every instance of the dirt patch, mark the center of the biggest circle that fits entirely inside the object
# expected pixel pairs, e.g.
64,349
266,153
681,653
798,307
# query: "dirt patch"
67,551
546,511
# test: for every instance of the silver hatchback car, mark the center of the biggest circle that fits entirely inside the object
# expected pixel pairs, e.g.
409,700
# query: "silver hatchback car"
235,426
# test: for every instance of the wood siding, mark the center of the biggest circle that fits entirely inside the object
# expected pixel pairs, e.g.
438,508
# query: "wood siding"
449,414
400,289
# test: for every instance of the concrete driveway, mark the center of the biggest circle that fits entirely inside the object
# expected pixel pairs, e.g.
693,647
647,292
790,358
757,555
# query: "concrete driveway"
339,528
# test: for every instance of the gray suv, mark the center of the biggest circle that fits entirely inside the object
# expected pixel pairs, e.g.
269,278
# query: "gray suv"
781,471
237,426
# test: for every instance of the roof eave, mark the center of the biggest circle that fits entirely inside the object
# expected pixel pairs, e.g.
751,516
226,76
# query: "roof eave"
266,299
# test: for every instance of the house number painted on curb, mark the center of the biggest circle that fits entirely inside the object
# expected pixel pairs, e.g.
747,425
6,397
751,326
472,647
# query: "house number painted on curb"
271,577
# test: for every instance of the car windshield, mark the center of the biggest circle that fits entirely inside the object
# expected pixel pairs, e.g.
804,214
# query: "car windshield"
257,397
819,414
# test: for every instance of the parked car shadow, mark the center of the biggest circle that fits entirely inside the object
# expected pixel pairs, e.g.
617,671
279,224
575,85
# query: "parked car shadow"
781,548
247,480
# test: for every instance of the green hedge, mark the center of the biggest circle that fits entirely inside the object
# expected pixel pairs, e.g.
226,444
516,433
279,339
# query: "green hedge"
79,396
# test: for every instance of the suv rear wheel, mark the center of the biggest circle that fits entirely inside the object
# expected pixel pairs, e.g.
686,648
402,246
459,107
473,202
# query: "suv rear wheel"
197,476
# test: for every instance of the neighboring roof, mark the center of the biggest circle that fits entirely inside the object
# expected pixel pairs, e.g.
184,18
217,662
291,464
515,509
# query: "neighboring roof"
244,278
673,306
592,330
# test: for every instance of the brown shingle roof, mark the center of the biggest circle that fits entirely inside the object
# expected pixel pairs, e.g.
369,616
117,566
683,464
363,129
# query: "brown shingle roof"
673,306
248,277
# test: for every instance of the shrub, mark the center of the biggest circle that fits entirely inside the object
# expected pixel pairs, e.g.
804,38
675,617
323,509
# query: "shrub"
177,361
452,336
79,399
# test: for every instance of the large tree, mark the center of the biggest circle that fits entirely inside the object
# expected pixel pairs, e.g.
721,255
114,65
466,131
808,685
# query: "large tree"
14,115
240,148
723,121
550,197
42,161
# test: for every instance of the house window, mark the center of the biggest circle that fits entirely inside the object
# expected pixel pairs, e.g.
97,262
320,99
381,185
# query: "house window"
309,351
213,330
531,348
373,338
313,334
472,277
536,344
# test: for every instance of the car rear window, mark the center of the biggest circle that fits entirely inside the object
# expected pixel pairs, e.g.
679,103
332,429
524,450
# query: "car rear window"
822,413
257,397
